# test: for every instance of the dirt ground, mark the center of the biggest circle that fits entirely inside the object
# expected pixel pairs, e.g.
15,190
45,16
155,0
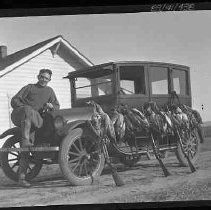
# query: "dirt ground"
143,183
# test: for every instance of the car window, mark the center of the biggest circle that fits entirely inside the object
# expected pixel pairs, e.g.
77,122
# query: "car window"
158,80
127,86
180,84
86,87
83,87
132,80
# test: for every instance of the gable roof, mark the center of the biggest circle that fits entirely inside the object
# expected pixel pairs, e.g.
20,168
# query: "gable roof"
56,44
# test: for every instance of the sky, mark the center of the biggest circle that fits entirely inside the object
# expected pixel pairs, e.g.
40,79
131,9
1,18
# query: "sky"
172,37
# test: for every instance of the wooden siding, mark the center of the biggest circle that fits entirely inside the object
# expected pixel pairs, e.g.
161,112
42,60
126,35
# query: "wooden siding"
27,73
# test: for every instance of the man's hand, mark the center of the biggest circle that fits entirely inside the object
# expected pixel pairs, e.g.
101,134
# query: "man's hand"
49,105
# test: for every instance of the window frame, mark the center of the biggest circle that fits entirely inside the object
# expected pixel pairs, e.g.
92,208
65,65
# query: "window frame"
74,97
170,69
168,80
187,78
146,94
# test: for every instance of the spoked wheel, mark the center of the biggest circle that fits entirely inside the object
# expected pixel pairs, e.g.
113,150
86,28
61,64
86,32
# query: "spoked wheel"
10,161
191,145
80,157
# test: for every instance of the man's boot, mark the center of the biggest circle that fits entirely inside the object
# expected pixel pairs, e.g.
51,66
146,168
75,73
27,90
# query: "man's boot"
25,129
22,182
23,166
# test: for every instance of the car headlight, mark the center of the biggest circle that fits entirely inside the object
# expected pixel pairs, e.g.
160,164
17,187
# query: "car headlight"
58,122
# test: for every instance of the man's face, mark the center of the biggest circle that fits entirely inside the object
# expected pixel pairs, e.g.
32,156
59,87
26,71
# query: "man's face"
44,78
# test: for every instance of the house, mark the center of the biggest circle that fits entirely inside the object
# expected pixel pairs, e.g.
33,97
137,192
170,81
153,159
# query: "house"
22,67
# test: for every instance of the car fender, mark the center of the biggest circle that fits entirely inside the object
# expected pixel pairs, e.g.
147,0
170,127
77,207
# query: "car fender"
70,126
11,131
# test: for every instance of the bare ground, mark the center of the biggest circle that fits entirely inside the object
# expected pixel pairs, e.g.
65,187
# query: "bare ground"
143,183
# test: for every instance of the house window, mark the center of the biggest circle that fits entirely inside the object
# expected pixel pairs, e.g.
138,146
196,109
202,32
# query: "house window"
132,80
158,80
180,84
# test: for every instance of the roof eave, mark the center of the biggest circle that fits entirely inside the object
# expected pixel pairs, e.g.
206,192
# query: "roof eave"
42,49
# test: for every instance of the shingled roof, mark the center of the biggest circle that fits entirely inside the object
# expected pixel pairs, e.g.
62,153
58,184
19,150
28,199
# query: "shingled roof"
11,62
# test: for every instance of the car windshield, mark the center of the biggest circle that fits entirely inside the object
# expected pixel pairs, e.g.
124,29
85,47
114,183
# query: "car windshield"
93,87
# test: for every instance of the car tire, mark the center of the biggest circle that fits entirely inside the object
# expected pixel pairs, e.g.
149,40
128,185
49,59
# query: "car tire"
10,161
80,157
192,151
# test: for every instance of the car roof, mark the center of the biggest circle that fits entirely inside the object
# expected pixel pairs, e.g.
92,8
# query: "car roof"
91,69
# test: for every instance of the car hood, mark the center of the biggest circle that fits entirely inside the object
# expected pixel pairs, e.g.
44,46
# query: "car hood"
73,114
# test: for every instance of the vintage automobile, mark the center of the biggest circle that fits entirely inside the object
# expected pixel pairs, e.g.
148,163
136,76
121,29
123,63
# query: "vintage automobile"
66,139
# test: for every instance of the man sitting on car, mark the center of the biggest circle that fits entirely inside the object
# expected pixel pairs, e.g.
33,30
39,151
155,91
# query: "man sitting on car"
27,105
